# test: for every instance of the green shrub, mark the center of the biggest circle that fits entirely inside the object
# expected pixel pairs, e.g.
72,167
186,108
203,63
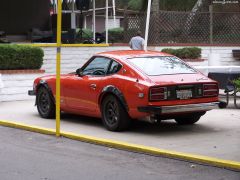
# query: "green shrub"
236,82
184,53
116,34
169,51
86,33
14,57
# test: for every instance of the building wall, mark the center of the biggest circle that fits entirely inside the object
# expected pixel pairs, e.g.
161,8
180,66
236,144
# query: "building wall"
100,23
14,86
75,57
18,16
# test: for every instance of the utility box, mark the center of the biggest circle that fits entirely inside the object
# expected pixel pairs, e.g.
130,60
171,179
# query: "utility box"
236,53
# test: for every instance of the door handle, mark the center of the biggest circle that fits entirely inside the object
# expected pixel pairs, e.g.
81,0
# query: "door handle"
93,86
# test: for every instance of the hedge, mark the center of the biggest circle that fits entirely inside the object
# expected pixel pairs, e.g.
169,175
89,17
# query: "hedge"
236,82
14,57
116,35
86,33
184,53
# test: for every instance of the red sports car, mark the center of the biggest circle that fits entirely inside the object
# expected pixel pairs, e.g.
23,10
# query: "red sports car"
119,86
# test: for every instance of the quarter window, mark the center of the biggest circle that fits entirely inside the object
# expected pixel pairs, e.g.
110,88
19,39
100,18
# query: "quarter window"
115,67
97,66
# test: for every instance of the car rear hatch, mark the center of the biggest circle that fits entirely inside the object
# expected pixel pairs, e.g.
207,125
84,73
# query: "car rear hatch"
182,87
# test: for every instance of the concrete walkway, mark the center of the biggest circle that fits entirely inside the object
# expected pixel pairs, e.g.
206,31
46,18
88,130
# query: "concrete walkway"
215,135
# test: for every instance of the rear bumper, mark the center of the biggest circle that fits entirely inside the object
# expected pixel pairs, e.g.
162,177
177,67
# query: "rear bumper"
179,108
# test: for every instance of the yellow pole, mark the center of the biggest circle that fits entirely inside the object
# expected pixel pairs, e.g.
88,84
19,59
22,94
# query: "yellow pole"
58,66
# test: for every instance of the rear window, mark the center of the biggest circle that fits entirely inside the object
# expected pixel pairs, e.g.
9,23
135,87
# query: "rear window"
161,65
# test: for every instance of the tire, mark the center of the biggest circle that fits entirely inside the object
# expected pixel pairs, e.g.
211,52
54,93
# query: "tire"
45,104
114,115
188,120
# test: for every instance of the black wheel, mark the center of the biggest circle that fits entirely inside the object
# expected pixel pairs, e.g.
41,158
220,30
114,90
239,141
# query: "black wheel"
45,104
114,116
188,120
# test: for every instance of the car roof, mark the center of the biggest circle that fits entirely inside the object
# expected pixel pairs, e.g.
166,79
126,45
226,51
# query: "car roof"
125,54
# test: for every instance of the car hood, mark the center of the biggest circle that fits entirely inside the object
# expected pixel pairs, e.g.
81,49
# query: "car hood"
179,79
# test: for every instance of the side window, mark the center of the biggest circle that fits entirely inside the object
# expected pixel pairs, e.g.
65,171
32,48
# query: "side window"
97,66
115,67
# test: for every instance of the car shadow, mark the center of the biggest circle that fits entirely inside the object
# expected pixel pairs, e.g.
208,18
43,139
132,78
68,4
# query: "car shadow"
85,120
169,127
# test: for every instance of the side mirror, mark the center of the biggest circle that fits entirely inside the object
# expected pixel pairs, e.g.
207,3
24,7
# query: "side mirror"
79,72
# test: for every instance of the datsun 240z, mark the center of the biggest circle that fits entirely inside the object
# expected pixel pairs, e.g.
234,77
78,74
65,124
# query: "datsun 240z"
120,86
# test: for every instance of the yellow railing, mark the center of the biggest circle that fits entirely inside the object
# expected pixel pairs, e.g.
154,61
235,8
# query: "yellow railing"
58,61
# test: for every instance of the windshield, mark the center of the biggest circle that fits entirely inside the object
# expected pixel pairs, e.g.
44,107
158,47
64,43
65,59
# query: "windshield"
160,65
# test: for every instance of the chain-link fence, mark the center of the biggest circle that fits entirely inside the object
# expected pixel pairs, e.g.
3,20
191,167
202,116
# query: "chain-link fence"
186,27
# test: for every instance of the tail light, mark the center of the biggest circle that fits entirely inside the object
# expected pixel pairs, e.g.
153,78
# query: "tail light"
158,93
210,90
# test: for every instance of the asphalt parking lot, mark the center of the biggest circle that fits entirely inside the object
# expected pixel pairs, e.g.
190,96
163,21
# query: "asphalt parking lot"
27,155
215,135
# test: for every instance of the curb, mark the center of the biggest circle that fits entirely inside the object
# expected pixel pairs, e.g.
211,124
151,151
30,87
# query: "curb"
130,147
23,71
27,127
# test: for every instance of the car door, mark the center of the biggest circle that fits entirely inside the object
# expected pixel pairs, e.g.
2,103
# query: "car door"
81,91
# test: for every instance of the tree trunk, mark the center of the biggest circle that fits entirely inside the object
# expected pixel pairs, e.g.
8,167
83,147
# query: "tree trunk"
155,21
239,5
125,22
200,5
155,6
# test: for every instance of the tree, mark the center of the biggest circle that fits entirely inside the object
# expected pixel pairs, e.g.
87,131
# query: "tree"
155,6
169,5
201,5
136,4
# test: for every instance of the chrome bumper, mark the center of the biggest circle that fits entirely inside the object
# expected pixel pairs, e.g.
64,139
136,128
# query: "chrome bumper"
179,108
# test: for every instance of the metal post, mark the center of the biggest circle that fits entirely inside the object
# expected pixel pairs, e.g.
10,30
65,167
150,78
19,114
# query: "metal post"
73,17
211,24
94,22
114,13
58,66
84,22
147,24
54,6
106,22
56,3
211,56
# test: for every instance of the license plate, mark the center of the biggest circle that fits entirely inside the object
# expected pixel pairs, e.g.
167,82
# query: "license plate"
184,94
